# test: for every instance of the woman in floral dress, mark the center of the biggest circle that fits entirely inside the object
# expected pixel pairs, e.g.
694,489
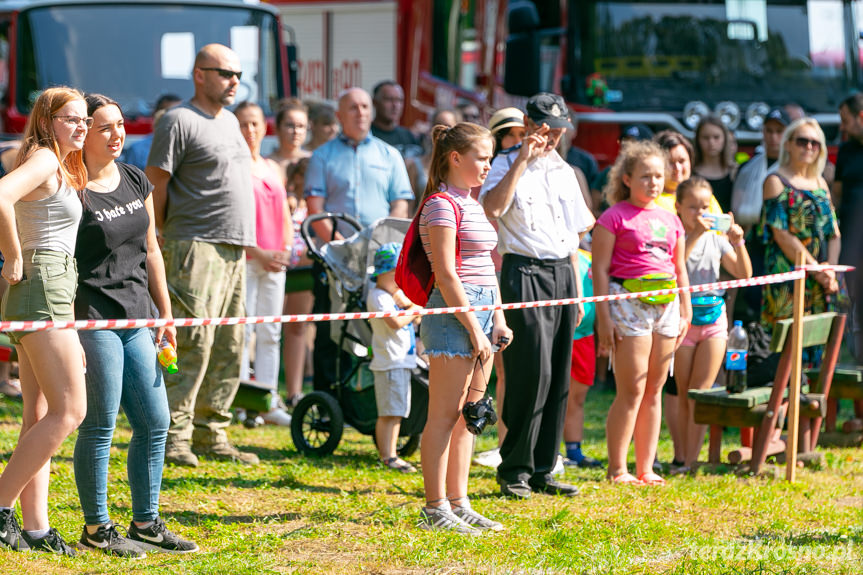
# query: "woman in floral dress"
798,216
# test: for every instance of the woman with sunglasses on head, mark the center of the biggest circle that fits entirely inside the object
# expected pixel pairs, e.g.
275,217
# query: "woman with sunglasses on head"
798,217
39,214
122,276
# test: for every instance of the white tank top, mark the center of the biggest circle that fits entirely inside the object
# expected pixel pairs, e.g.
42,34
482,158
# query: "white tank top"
50,223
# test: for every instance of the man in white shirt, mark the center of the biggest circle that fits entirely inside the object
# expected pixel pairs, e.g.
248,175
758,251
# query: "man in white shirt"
540,211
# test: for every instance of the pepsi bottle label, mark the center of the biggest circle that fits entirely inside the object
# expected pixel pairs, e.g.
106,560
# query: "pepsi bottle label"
735,360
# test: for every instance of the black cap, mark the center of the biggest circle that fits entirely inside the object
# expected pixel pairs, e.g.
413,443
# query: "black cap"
636,132
549,109
778,115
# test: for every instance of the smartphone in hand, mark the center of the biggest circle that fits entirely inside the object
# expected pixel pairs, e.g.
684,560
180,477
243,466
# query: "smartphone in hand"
720,222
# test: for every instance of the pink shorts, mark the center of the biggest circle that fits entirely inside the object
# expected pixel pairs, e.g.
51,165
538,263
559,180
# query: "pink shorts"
698,333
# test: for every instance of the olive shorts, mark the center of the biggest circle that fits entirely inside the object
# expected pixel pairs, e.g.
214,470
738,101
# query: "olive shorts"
46,292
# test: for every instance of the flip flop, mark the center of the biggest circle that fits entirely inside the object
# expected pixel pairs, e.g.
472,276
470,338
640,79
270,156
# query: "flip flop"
626,479
650,478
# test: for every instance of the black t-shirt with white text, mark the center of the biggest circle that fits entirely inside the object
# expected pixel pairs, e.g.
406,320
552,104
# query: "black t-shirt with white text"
111,251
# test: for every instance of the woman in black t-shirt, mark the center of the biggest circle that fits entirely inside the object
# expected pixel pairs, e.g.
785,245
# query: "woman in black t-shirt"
121,275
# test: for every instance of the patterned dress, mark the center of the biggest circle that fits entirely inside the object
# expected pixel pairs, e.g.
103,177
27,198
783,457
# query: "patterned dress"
809,216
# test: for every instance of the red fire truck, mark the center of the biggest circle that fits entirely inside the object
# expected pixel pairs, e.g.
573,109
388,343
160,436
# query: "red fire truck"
664,64
133,51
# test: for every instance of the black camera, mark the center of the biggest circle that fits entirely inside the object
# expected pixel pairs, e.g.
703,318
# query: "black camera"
478,414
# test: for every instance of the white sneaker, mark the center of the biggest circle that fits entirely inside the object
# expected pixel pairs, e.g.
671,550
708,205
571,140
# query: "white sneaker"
489,458
443,519
558,468
277,416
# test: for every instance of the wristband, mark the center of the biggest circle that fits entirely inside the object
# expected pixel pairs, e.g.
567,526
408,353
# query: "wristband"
739,244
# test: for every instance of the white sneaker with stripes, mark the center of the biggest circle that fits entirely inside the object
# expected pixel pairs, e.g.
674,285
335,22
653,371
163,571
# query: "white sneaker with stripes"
475,520
443,519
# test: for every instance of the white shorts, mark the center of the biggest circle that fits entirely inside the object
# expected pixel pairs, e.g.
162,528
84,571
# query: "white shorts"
634,318
393,392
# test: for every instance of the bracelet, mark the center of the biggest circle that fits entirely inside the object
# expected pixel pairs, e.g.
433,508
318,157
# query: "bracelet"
739,244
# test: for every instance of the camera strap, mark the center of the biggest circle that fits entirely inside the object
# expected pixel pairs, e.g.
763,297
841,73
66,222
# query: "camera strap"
473,376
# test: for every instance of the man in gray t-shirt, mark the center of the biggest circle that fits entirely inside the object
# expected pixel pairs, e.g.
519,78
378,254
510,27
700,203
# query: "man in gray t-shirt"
200,167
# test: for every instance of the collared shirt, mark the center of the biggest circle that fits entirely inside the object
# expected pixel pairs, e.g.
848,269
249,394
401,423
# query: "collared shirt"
547,211
360,179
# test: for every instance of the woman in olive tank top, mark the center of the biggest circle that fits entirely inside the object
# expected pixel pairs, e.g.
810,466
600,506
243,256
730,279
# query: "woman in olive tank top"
39,214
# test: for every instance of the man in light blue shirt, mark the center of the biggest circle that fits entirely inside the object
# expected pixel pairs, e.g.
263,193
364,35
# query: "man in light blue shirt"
359,175
356,173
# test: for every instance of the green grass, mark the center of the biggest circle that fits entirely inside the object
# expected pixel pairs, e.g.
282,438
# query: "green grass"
346,514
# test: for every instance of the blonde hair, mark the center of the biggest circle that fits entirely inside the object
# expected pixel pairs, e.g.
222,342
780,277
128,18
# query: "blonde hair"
39,134
631,154
459,139
815,169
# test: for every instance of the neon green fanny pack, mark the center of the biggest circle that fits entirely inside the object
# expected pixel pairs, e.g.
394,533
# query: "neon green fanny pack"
652,282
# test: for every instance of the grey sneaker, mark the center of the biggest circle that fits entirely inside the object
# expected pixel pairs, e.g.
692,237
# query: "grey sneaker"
180,455
227,452
475,520
108,540
10,532
443,519
156,537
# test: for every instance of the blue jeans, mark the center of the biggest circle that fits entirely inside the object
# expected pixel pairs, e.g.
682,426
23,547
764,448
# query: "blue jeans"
122,370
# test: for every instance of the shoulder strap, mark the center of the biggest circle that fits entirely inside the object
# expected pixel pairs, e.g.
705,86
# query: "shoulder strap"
784,181
458,215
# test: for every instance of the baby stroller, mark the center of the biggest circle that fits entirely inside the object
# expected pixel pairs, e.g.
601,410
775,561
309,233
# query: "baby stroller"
319,418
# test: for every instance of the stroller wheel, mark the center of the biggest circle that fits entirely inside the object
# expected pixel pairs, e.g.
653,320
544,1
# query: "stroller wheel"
317,424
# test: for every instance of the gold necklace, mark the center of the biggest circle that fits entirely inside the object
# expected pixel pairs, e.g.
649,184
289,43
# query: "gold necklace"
111,185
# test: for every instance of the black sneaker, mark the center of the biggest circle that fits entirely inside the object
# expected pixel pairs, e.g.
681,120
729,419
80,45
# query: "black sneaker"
107,540
10,532
156,537
51,543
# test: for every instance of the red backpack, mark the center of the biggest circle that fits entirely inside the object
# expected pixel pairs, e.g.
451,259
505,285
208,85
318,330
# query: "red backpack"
413,271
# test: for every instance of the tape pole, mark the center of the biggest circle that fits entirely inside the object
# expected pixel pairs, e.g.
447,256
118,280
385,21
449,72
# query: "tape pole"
796,372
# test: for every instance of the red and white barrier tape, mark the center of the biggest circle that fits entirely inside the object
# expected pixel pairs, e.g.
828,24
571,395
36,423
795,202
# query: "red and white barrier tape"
94,324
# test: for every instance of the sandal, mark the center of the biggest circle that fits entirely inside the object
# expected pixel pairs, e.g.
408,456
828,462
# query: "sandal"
681,470
626,479
399,465
650,478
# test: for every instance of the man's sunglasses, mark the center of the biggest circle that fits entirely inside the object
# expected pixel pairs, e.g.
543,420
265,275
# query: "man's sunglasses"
806,142
226,74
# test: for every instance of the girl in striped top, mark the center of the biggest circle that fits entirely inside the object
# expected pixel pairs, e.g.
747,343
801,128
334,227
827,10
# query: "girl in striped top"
458,345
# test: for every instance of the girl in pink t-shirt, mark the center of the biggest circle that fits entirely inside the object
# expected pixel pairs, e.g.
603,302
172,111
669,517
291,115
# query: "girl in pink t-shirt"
632,239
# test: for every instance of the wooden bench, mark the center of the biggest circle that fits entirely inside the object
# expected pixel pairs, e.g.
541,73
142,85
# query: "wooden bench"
763,408
847,383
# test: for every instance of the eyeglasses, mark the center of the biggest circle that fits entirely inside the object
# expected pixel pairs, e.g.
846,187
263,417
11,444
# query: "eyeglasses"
226,74
74,121
806,142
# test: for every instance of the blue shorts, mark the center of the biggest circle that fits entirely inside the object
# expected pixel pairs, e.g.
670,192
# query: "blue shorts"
444,334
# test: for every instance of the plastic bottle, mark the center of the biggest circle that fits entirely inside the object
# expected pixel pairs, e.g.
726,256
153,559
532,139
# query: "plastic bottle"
168,356
736,355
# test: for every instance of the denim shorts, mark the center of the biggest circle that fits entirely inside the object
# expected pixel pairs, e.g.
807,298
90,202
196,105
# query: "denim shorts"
46,293
444,334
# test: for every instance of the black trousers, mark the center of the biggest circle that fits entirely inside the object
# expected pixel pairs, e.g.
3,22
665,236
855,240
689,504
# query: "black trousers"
537,365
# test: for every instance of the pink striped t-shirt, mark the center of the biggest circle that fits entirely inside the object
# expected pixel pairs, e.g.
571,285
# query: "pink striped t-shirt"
477,238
